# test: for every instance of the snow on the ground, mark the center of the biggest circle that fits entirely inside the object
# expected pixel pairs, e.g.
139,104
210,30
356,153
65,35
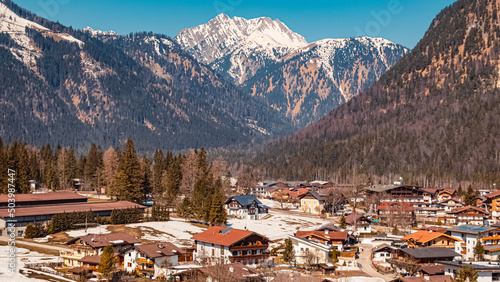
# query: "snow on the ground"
94,230
42,239
176,231
280,225
277,205
23,256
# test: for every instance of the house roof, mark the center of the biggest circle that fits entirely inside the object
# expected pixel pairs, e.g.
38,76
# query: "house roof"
435,278
477,265
471,229
462,209
314,194
37,197
245,200
224,235
80,270
381,188
492,248
329,227
381,247
73,207
323,234
447,191
492,194
432,269
160,249
354,217
430,252
424,236
90,259
429,190
103,240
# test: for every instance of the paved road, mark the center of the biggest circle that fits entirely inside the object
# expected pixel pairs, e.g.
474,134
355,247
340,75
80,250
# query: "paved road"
366,266
43,246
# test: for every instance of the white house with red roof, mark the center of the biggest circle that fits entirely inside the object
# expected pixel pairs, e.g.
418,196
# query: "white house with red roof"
228,245
317,245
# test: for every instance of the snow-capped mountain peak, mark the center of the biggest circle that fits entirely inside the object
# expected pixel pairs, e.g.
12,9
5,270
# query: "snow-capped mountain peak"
245,44
96,32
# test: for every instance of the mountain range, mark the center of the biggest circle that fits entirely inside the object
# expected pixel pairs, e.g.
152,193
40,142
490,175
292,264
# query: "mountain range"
303,81
230,81
432,118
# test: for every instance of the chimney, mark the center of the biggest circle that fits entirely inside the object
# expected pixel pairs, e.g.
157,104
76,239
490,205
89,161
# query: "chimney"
231,269
326,232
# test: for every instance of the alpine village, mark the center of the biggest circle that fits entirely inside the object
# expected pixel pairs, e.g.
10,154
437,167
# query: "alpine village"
237,151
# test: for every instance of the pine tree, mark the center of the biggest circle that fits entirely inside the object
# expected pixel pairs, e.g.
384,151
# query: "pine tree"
69,168
343,223
466,273
92,166
173,179
106,266
289,253
479,250
158,169
395,230
470,197
218,215
146,177
129,179
31,231
184,209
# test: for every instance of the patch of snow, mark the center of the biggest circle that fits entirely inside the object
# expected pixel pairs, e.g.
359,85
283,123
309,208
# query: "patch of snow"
42,239
356,279
23,256
177,231
93,230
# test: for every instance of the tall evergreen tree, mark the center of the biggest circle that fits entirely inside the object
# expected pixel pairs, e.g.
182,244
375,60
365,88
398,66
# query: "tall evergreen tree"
470,196
218,215
106,265
146,177
158,169
70,167
289,253
92,167
128,184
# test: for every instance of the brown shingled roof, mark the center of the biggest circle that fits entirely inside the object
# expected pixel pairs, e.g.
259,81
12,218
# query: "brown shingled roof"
322,234
90,259
43,197
103,240
160,249
73,207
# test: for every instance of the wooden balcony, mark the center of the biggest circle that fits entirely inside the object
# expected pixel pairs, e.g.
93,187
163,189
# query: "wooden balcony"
248,248
145,270
248,257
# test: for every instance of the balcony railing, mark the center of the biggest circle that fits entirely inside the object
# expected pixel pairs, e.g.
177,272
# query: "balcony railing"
248,257
248,248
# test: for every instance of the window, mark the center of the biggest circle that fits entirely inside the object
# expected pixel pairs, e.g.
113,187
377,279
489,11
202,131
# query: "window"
222,250
129,264
213,252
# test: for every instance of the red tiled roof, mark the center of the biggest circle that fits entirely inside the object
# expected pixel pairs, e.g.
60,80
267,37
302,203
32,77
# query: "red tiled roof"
461,209
430,190
432,269
160,249
424,236
103,240
43,197
492,194
90,259
223,235
322,234
447,191
73,207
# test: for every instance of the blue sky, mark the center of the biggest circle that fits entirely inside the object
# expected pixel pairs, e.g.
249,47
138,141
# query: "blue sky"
401,21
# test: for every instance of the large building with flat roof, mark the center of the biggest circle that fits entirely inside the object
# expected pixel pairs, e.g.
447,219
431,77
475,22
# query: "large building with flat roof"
40,208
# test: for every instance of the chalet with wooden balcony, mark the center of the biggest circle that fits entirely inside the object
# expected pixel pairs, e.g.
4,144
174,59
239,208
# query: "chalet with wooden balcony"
247,207
446,194
491,203
392,193
93,245
228,245
152,260
396,213
429,238
468,215
410,259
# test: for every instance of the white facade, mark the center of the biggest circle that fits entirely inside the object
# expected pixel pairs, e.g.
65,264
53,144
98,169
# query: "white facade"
466,246
162,265
483,275
320,252
214,253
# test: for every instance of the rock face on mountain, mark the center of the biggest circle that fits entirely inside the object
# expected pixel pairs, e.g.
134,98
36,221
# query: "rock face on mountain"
434,115
300,80
61,85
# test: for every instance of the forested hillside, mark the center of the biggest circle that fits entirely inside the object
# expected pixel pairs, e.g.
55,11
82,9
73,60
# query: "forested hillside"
69,87
433,117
